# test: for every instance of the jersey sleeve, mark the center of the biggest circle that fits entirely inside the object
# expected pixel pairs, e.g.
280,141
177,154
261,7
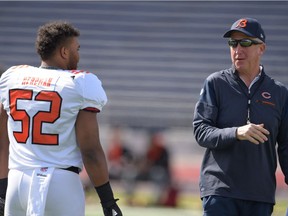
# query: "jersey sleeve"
93,94
3,89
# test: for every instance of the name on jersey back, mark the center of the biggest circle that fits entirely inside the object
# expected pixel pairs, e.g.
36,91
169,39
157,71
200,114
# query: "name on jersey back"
37,81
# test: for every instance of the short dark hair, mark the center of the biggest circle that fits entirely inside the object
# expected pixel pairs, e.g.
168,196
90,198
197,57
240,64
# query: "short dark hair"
53,34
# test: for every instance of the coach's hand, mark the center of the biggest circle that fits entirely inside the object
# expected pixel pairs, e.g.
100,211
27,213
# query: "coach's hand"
2,205
111,208
255,133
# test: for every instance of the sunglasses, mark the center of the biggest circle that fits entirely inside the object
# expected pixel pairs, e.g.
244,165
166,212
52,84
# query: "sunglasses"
243,42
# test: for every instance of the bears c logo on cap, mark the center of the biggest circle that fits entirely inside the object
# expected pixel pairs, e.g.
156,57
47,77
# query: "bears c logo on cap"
242,23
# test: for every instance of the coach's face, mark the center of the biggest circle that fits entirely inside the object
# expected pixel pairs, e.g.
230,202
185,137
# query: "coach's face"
73,51
246,59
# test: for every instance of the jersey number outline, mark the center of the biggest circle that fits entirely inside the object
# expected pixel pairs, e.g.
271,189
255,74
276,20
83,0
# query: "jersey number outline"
37,137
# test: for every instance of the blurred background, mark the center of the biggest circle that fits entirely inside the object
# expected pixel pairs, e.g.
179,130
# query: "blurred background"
152,58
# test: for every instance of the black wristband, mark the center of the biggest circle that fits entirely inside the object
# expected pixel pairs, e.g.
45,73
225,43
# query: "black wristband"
3,187
105,193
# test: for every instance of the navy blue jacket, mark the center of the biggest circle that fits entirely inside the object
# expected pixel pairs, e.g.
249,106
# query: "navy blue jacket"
234,168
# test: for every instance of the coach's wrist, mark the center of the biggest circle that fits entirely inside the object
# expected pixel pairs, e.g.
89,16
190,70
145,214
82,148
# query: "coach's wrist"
3,187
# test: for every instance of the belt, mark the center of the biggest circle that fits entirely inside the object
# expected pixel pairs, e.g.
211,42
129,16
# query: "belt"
72,169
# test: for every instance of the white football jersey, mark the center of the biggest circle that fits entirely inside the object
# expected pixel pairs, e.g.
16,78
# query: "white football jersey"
42,105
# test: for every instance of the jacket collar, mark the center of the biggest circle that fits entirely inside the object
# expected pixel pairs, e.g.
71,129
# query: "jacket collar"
235,73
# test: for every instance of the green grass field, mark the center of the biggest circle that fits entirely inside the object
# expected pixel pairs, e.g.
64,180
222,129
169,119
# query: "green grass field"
145,211
188,206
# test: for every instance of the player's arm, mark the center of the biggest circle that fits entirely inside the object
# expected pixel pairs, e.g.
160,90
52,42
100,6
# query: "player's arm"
4,143
87,133
4,151
94,160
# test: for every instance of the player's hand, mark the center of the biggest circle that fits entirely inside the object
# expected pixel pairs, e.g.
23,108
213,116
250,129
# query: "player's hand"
255,133
2,205
111,208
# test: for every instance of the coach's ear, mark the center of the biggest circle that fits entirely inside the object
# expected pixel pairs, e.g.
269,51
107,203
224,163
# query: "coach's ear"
262,48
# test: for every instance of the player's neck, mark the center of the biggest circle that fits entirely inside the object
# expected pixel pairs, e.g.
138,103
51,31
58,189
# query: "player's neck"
49,66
